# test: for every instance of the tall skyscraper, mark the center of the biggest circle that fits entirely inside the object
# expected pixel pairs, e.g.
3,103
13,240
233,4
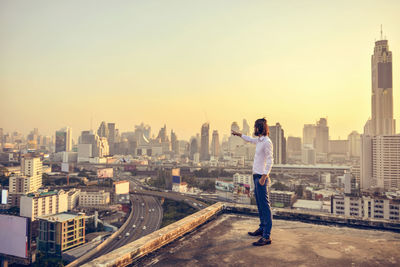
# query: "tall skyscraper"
99,145
174,143
215,148
194,148
354,144
64,140
246,128
205,142
322,136
111,137
233,141
309,133
103,130
293,149
380,147
1,140
277,136
382,122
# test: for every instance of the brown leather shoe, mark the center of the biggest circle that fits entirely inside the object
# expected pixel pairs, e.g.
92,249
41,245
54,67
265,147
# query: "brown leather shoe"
257,232
262,242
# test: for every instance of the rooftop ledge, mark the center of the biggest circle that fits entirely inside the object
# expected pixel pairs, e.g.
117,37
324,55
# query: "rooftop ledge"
299,237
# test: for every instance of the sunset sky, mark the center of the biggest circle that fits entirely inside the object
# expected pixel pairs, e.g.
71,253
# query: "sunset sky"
182,63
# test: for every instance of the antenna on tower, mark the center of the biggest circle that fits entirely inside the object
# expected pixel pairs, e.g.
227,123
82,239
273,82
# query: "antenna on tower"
381,33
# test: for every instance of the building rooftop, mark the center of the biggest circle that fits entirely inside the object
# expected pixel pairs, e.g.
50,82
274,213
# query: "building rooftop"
42,194
121,182
217,236
225,242
308,204
317,166
60,217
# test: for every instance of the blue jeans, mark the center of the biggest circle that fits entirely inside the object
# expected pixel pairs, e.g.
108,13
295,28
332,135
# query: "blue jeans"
261,193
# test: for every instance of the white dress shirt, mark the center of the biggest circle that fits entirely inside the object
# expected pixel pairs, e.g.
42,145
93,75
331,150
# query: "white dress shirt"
264,156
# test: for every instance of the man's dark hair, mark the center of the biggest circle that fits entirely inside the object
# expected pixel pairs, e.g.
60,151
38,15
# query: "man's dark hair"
261,127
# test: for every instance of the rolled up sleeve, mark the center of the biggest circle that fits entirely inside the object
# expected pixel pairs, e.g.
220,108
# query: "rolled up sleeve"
249,139
269,158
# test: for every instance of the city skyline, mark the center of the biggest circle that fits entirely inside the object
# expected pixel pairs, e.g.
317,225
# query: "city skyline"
99,68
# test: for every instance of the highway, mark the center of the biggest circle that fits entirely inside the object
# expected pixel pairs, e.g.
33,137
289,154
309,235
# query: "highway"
147,218
147,213
143,216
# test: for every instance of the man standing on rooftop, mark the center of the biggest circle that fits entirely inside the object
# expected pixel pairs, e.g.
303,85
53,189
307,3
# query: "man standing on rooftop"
263,160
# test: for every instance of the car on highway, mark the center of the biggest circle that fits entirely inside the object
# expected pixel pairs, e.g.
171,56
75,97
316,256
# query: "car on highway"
134,226
149,210
127,234
142,203
141,218
144,227
152,209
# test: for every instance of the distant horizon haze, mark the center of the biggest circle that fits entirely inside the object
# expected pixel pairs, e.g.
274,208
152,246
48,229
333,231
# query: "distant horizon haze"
183,63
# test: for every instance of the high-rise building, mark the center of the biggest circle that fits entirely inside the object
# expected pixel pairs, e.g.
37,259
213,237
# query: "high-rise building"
64,140
246,128
194,148
386,161
366,162
233,141
103,130
293,149
174,143
30,179
1,140
293,144
215,148
142,130
354,139
382,121
99,146
111,137
309,134
205,142
379,144
163,139
277,136
321,136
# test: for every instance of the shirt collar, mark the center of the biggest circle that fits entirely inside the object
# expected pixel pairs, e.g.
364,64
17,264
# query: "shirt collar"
261,138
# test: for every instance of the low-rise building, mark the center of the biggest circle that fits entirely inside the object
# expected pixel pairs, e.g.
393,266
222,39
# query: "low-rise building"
309,205
244,179
181,187
60,232
281,198
366,207
73,198
88,199
38,204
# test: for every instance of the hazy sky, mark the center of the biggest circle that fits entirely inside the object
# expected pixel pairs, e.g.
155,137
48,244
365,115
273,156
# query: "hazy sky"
186,62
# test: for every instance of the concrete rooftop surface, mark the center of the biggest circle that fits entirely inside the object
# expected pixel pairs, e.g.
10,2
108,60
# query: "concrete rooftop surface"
224,242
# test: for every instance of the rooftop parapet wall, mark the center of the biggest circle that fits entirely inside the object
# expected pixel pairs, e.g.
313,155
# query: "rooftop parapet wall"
317,217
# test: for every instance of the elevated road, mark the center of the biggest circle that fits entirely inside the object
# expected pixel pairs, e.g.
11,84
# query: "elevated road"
147,218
